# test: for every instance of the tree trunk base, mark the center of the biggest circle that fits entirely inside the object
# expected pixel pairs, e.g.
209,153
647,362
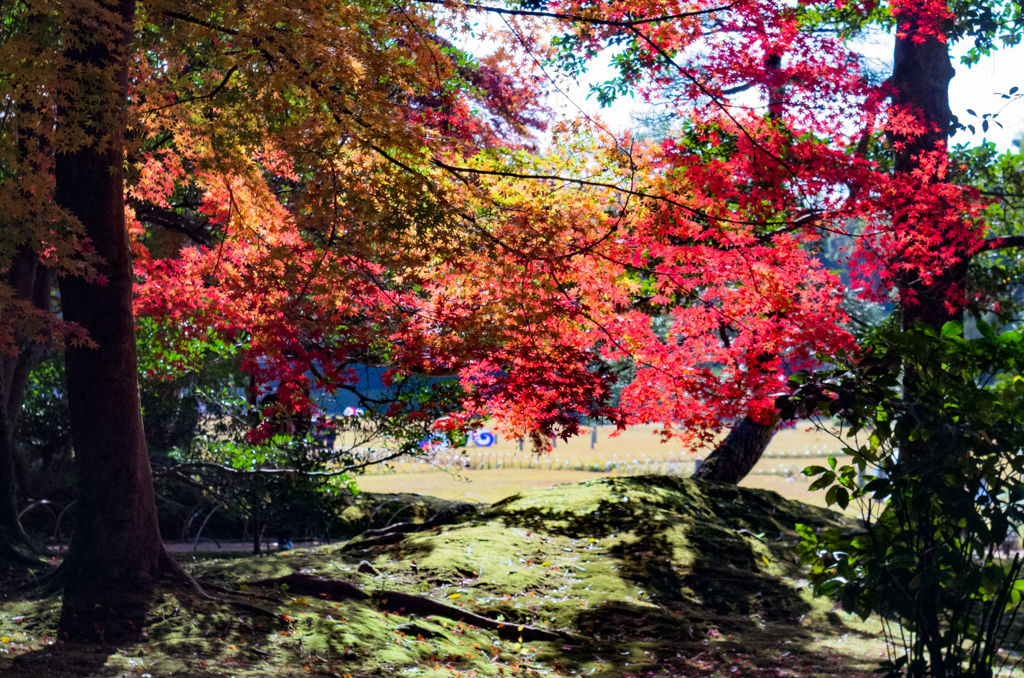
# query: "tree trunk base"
116,612
736,456
104,616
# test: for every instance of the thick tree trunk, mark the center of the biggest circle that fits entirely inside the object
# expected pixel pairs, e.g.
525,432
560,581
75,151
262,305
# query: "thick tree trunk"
735,456
920,78
116,553
921,75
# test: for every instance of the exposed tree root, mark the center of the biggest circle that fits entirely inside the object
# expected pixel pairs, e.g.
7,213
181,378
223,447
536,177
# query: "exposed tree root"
381,540
172,570
410,604
252,609
337,589
208,587
397,528
51,582
392,534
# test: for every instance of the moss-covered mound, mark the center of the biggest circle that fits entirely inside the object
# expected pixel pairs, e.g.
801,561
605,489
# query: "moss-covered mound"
376,511
644,576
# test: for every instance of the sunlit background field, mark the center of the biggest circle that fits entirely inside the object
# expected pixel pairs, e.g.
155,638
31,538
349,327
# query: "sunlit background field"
492,473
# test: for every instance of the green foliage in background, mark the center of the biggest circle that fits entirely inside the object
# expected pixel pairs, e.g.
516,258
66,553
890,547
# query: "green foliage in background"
42,435
995,278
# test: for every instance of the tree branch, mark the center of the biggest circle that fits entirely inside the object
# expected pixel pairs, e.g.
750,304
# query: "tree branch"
241,473
577,17
209,95
188,18
455,169
1003,242
172,222
707,92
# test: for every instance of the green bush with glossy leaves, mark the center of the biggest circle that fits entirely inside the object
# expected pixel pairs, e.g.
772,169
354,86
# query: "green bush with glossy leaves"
934,424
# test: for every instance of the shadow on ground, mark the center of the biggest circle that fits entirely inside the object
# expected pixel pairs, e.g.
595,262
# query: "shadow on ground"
645,576
713,564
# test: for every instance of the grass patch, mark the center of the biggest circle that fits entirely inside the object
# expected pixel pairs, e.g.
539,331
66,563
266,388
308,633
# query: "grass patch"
649,576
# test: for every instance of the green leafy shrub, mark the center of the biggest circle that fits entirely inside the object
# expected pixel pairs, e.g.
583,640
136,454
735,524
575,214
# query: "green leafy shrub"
287,487
935,427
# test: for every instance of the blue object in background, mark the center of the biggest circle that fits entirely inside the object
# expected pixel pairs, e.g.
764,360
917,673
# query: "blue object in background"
482,438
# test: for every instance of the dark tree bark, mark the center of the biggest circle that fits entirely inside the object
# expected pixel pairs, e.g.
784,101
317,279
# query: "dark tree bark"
920,80
116,553
921,75
735,456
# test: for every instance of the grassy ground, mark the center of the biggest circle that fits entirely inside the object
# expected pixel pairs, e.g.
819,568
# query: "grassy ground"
789,452
645,576
640,442
493,485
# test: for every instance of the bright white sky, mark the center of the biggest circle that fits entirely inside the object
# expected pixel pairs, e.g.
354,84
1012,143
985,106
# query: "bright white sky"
974,88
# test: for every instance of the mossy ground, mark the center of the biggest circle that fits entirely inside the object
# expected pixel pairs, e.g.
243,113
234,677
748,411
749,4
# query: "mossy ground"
651,576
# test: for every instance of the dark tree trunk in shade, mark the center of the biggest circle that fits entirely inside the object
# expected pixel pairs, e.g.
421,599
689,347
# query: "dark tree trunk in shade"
116,552
735,456
921,75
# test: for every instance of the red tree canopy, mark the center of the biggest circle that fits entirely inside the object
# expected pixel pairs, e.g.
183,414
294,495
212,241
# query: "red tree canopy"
341,185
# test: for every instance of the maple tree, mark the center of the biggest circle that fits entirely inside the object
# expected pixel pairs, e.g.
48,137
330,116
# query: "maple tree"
337,110
949,493
339,185
925,392
777,107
